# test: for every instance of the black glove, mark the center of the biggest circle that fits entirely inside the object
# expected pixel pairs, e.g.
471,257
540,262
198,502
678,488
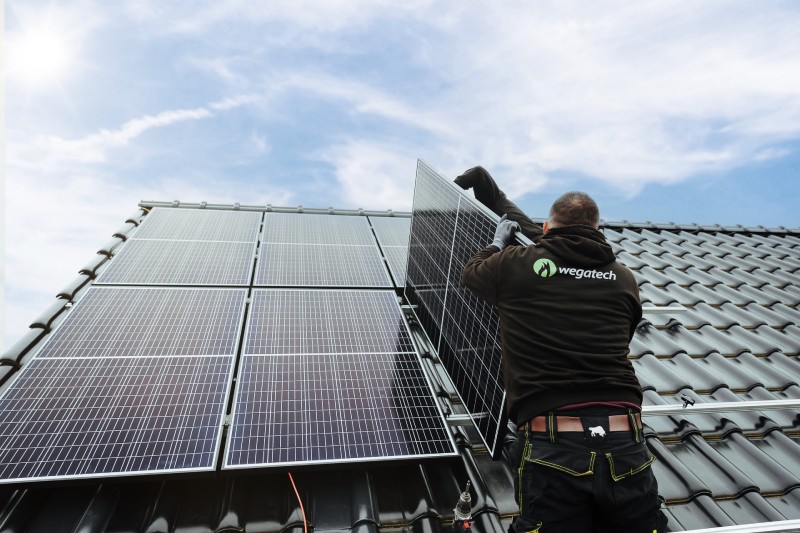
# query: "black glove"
486,190
504,233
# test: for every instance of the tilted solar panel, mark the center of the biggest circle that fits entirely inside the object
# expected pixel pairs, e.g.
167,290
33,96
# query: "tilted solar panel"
447,228
331,376
133,381
161,262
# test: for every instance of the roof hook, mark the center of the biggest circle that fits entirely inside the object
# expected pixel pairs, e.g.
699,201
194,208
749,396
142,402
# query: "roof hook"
686,401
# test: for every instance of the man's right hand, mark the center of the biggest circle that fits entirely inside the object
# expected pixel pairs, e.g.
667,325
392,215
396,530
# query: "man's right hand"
504,233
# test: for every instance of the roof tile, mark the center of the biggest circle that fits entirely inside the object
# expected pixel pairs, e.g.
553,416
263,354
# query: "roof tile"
763,373
694,342
652,294
653,374
787,340
676,481
750,508
788,504
720,476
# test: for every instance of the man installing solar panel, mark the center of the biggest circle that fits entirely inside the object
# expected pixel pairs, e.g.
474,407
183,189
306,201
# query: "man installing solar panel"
568,311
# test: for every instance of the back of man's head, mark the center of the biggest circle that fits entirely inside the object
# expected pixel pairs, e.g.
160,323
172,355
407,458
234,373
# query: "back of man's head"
574,208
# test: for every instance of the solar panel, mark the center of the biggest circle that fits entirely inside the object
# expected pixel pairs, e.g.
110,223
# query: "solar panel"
152,321
392,234
157,262
86,417
447,228
299,228
321,265
134,381
200,225
331,376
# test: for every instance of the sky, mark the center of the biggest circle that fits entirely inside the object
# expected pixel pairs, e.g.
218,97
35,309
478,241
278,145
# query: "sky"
664,111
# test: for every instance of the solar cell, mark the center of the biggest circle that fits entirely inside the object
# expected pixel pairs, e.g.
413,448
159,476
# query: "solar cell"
200,225
321,265
447,228
88,417
157,262
331,376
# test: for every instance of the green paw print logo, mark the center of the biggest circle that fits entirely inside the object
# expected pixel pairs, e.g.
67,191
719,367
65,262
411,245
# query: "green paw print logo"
544,268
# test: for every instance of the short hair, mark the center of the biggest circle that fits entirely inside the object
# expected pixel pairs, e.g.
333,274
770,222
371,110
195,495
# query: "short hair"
574,208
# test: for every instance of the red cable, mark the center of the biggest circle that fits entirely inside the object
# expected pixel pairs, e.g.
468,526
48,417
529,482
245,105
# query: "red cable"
302,511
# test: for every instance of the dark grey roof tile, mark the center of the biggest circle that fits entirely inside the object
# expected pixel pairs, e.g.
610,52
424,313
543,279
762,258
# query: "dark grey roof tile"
758,342
724,277
652,247
704,263
793,289
677,482
787,420
682,278
786,364
721,477
729,262
651,372
677,249
784,450
721,341
770,263
787,340
741,295
694,342
681,263
735,375
759,314
778,278
789,296
742,316
787,504
616,247
649,293
631,261
653,260
792,240
632,235
612,235
709,237
751,279
709,295
684,296
791,313
748,294
770,476
757,251
652,236
656,277
763,373
703,377
701,276
702,512
657,342
701,314
750,508
672,237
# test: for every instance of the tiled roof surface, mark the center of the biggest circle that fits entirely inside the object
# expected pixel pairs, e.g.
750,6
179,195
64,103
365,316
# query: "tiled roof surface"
738,339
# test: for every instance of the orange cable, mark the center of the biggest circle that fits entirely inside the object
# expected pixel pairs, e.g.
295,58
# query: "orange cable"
302,510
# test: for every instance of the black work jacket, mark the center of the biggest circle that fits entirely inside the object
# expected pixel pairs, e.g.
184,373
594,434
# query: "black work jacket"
568,311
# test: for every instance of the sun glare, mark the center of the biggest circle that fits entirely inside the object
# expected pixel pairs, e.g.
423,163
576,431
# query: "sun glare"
39,57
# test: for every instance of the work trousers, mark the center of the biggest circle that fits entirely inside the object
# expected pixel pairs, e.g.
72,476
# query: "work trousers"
596,481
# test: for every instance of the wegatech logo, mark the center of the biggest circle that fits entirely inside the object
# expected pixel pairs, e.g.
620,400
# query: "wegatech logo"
546,268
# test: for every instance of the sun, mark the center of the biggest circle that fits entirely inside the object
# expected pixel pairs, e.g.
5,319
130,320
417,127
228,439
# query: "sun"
39,55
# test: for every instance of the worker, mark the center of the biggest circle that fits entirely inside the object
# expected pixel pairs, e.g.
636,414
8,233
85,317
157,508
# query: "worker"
568,311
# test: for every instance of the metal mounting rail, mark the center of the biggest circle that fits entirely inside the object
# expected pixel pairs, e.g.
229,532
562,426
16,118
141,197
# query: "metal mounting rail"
762,527
660,310
719,407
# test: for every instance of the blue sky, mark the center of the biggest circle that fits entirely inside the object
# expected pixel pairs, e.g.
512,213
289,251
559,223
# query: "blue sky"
664,111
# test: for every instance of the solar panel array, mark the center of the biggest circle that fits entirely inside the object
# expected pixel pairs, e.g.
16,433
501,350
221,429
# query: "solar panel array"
188,247
447,228
137,379
309,250
134,381
331,376
392,234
